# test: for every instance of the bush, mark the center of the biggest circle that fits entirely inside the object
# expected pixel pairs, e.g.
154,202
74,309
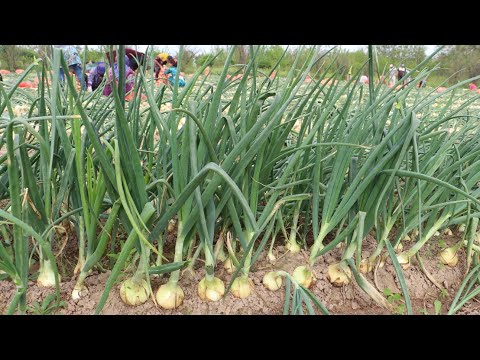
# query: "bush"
93,55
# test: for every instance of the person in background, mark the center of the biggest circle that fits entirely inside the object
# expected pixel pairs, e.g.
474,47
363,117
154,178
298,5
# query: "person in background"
422,83
392,75
95,76
131,58
72,58
402,71
89,66
134,56
159,64
129,78
171,72
364,79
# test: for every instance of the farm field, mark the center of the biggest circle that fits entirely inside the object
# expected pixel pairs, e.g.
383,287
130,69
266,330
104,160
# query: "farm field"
241,193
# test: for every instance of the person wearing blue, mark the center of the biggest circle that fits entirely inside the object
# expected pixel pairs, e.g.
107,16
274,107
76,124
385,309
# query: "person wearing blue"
171,72
72,58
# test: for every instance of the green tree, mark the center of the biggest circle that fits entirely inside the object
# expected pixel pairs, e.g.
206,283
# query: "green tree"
459,61
269,55
94,55
15,56
8,56
241,54
410,55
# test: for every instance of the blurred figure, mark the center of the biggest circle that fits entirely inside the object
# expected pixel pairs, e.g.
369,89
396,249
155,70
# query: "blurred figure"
131,58
129,78
171,72
402,71
134,56
95,76
472,87
392,75
159,64
72,58
89,66
364,80
422,83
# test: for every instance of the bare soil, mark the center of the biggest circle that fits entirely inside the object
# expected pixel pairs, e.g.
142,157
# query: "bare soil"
349,299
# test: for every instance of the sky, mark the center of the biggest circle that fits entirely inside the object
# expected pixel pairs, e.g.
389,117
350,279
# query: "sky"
207,48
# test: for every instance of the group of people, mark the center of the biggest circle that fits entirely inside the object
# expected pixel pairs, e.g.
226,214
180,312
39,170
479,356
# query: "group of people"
165,68
394,75
164,73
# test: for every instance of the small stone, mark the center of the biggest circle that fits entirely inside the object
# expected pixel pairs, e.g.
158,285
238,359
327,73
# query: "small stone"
355,305
336,297
349,295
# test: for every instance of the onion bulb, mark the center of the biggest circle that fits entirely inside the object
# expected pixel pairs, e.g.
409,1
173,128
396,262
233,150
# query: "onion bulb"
46,278
169,296
404,260
271,258
79,291
366,266
449,256
211,290
134,292
272,281
293,247
339,274
171,226
241,287
303,276
166,107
